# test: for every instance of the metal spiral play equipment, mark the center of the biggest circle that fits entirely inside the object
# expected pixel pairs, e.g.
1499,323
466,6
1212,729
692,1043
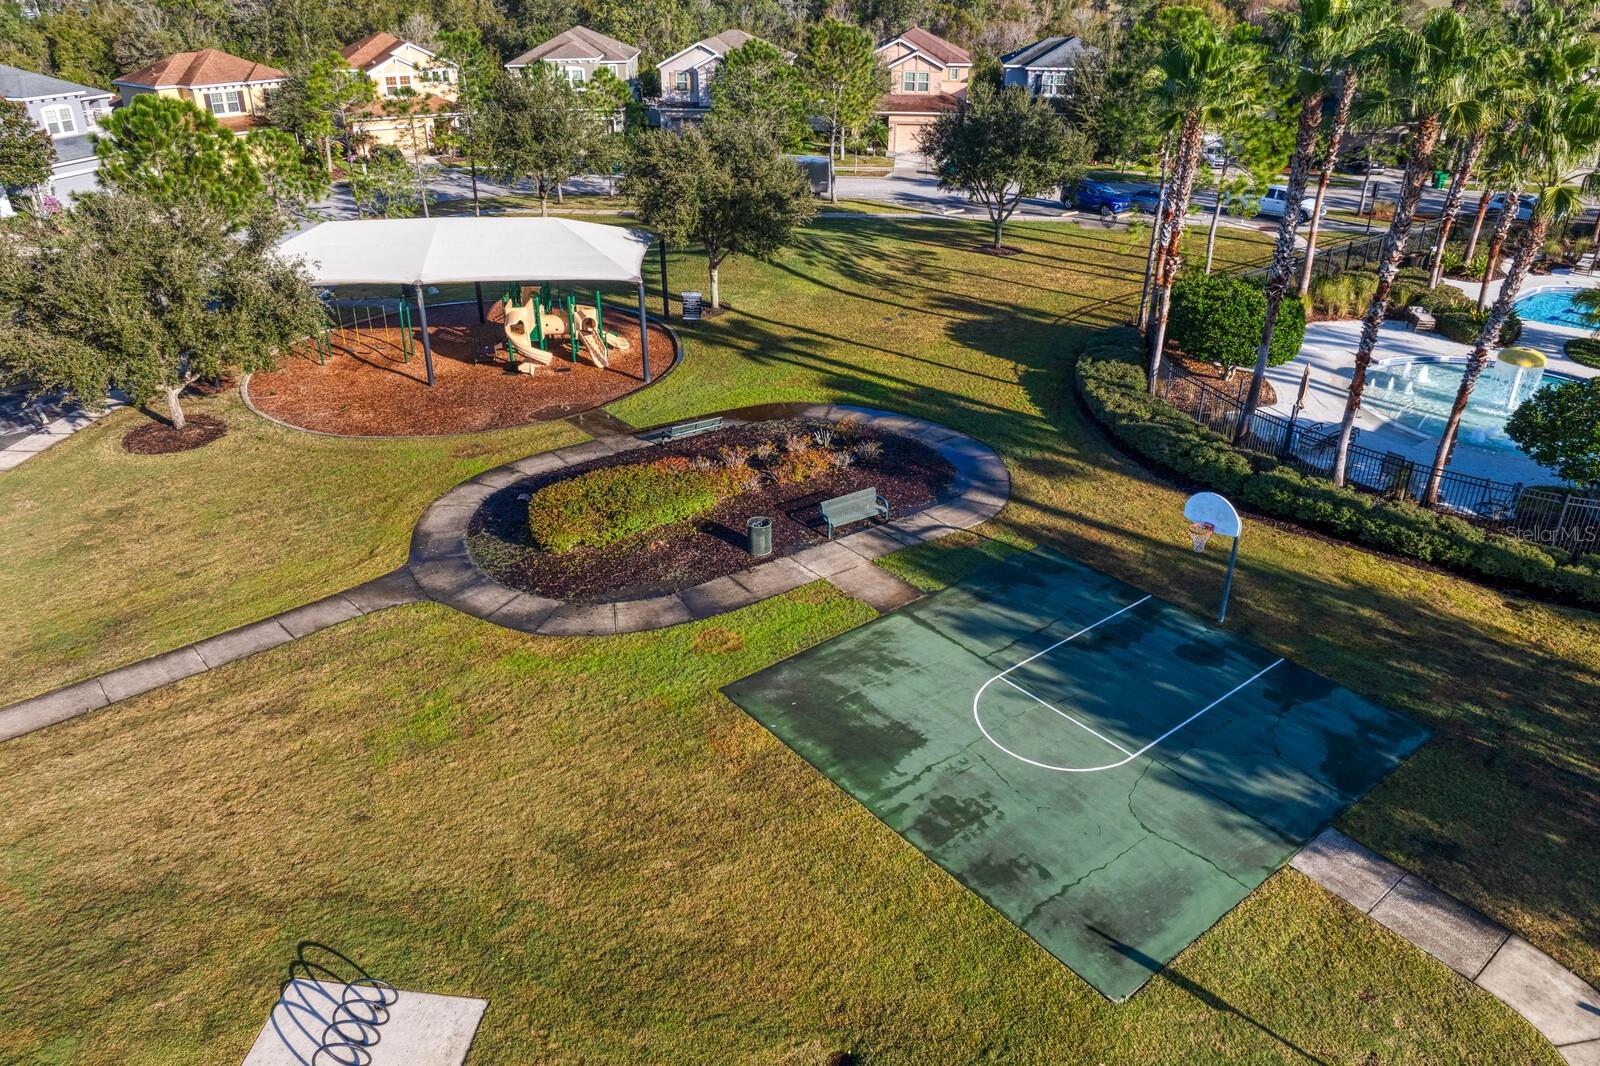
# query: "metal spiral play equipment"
330,1011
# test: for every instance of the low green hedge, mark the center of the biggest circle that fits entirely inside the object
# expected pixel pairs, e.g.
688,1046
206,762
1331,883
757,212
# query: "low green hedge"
1585,350
604,506
1463,326
1112,384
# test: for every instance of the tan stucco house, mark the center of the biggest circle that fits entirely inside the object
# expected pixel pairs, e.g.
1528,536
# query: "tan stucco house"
927,75
579,52
398,68
686,78
235,90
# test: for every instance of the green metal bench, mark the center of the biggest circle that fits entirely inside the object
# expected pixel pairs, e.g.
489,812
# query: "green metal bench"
689,429
853,507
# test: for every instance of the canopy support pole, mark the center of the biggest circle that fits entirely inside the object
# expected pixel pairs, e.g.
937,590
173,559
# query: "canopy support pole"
666,308
477,286
422,320
644,329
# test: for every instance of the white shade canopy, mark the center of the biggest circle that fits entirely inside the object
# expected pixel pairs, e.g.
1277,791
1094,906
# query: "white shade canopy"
438,251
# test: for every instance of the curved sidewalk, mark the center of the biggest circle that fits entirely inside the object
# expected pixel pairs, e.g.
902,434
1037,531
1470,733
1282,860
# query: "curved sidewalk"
447,574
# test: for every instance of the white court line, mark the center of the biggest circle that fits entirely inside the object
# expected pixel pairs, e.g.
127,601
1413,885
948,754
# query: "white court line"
1130,756
1065,715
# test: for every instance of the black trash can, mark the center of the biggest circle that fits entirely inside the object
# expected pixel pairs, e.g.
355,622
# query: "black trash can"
760,532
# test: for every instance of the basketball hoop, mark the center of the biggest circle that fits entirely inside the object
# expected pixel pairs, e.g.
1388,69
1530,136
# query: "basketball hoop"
1209,513
1199,533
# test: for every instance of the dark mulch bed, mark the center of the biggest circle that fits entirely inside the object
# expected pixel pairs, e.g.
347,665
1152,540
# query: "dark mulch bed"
368,388
159,438
910,475
1186,397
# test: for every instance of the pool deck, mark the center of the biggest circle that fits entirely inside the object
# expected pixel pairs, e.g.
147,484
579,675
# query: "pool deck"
1329,350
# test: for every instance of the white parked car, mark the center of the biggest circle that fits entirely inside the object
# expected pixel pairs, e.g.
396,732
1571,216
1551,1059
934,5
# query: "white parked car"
1525,202
1272,204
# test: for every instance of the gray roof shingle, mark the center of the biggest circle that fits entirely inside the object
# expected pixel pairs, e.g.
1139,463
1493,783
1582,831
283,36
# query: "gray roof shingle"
19,84
1052,52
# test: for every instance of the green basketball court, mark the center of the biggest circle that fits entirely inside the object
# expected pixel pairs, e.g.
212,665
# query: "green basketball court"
1111,773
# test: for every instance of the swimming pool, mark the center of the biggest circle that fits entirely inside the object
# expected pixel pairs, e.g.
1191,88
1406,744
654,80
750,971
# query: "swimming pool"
1552,306
1418,393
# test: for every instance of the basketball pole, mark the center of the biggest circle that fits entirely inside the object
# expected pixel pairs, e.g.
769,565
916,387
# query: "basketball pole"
1227,582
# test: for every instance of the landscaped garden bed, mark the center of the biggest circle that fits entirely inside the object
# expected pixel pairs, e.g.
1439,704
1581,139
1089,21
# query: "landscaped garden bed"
645,523
368,387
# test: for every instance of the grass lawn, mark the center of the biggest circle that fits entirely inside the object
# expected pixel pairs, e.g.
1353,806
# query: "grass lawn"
110,557
589,835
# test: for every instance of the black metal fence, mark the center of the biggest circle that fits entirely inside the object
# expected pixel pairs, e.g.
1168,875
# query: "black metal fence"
1549,516
1363,253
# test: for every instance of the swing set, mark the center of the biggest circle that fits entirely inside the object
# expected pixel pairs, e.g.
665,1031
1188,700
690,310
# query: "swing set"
357,328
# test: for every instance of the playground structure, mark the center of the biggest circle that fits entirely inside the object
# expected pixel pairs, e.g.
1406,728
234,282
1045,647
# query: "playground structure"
537,331
416,255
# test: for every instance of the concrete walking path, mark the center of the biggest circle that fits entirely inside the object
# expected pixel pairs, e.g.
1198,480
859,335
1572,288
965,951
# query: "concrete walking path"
1554,1000
19,451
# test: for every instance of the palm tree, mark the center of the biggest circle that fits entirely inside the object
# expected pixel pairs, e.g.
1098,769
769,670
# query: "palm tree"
1366,20
1312,47
1498,83
1196,75
1427,71
1559,132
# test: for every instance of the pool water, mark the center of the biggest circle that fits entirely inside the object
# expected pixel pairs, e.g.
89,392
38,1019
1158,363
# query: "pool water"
1420,393
1553,306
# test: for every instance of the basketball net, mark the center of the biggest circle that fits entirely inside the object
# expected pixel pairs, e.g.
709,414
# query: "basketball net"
1199,533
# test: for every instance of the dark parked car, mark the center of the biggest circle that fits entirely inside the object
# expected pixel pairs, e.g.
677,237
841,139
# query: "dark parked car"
1145,201
1097,198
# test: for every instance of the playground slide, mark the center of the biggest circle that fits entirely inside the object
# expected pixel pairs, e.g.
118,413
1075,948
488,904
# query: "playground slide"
519,331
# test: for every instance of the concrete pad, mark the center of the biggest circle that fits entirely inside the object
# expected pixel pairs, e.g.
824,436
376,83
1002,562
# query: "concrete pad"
957,515
524,612
420,1029
52,707
582,453
581,620
537,464
1554,999
498,478
328,611
827,558
440,543
875,586
1441,925
873,543
481,598
391,590
470,494
441,578
242,642
774,577
1355,874
152,673
658,612
717,596
1585,1054
919,528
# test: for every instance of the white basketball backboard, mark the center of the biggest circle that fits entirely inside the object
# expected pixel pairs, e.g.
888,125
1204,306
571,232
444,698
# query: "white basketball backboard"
1209,507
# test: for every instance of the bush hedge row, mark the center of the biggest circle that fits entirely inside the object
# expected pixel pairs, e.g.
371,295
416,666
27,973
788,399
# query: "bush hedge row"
1115,392
611,504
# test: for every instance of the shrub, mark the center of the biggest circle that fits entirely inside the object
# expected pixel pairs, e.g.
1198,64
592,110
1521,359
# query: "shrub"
1464,325
605,506
1443,298
1218,318
1342,296
868,452
1518,560
1584,350
1559,427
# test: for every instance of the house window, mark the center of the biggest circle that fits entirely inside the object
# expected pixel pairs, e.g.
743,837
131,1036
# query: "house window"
914,81
58,120
394,83
575,75
1053,83
230,102
680,81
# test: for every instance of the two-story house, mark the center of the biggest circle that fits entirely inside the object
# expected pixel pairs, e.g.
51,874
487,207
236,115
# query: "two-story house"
401,73
69,113
1045,67
686,78
579,52
235,90
927,76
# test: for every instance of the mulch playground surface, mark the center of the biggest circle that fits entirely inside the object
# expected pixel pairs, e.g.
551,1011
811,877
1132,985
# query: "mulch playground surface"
368,388
908,474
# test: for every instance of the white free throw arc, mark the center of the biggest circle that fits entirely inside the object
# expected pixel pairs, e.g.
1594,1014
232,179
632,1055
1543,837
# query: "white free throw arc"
1209,507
